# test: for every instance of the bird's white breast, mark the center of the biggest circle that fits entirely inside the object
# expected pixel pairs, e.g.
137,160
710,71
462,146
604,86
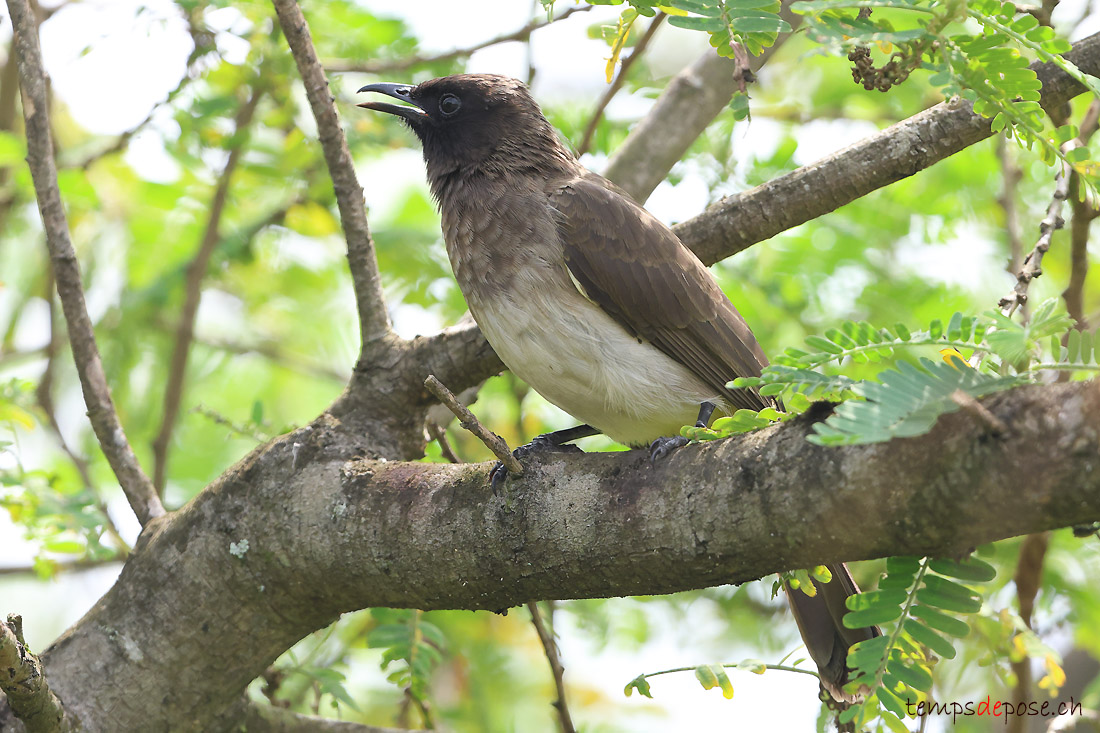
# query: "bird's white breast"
580,359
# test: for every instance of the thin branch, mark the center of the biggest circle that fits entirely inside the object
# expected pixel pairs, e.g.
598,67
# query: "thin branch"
377,67
65,566
374,321
1007,199
550,647
439,435
1032,265
44,395
23,680
271,719
617,84
196,271
97,395
1028,580
1082,215
470,422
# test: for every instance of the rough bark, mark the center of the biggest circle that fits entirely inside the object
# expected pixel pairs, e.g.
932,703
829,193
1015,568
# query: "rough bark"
329,532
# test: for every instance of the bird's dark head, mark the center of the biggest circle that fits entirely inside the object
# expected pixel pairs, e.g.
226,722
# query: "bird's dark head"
474,122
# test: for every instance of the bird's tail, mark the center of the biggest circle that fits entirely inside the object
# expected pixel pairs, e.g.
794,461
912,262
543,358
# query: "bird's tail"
826,637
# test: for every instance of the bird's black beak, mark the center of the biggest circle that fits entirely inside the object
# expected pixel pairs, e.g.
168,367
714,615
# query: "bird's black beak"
397,91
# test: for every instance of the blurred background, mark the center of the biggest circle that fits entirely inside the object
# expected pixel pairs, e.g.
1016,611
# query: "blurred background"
150,97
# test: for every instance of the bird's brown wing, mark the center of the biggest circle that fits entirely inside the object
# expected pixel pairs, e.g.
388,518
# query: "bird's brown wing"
635,268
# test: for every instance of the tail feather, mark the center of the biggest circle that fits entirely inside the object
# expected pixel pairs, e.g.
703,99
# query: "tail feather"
826,637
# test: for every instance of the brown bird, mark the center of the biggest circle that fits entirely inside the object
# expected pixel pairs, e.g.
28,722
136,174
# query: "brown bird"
586,296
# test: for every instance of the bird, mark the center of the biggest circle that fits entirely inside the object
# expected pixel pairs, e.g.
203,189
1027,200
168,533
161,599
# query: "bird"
589,298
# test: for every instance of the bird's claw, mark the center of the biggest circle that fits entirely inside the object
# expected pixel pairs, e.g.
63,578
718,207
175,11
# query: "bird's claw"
540,444
663,447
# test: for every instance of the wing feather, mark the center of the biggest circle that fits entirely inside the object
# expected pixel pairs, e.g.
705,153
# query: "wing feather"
638,271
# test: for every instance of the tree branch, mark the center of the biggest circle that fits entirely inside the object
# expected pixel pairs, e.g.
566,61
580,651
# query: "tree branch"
737,222
97,396
23,680
550,647
617,84
374,320
377,67
692,99
330,532
196,272
263,718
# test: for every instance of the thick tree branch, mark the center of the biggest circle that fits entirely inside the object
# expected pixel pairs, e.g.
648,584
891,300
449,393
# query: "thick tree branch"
374,320
24,682
329,532
97,395
737,222
378,67
196,272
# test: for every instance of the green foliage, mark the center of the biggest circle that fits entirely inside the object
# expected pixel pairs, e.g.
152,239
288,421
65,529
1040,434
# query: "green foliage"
989,68
906,399
753,23
415,645
916,603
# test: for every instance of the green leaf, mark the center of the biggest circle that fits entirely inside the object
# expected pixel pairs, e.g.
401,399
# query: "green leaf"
948,596
696,24
940,621
914,676
639,683
970,568
924,635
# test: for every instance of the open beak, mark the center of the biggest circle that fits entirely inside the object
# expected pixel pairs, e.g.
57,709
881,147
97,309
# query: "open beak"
397,91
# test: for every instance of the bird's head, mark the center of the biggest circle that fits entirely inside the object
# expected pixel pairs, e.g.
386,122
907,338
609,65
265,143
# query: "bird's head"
484,122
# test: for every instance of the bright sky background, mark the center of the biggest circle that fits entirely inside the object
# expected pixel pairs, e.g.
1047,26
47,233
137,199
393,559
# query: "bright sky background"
111,64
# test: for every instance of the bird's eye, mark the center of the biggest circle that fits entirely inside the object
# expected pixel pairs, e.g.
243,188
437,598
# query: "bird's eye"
449,104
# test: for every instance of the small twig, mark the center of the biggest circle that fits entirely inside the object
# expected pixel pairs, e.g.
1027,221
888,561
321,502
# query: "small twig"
1032,265
44,395
1082,215
977,409
617,84
1028,580
1012,175
23,680
376,67
551,649
439,435
66,566
97,395
374,320
470,422
196,271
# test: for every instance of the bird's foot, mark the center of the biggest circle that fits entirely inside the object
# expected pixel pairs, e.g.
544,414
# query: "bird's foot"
663,447
546,443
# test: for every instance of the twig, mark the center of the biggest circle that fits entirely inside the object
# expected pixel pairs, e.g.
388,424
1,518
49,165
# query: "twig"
97,395
617,84
23,680
1028,580
65,566
376,67
1083,214
439,435
44,395
374,321
977,409
196,271
470,422
1012,175
1032,265
551,649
